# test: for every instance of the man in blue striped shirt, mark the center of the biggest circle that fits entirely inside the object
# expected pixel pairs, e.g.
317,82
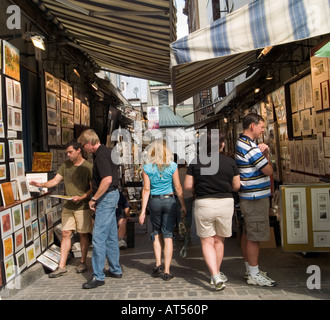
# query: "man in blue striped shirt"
253,163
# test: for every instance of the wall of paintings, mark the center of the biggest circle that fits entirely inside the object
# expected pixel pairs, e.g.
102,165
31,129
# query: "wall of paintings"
305,217
26,222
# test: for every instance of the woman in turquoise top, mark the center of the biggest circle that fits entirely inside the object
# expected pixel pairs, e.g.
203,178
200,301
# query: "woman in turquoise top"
160,174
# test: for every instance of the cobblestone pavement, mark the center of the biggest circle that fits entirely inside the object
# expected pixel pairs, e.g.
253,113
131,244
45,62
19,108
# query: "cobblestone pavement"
191,278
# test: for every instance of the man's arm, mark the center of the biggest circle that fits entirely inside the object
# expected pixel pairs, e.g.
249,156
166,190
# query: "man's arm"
49,184
103,187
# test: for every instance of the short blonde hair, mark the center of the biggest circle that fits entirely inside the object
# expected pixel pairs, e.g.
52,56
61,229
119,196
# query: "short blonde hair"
89,135
159,154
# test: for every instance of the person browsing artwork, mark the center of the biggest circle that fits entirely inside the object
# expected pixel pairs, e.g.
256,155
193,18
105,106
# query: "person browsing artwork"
76,215
160,173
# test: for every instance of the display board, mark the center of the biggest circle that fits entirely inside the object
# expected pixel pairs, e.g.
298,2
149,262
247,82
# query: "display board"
305,217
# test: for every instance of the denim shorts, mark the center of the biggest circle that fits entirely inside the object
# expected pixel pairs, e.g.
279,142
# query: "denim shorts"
163,216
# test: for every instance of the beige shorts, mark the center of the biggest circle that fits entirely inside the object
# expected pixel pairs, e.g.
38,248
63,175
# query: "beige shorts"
256,219
80,220
213,216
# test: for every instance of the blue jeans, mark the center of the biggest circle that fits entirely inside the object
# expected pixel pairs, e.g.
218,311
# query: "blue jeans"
105,236
162,216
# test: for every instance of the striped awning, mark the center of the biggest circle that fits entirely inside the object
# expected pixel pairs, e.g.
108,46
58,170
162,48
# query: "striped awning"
215,54
130,37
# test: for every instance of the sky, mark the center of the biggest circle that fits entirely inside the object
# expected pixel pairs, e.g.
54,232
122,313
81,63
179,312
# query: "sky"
182,26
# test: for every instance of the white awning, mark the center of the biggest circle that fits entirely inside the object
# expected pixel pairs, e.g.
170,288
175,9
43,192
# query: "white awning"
212,55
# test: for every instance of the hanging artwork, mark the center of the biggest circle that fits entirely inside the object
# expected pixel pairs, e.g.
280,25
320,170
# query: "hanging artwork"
17,217
6,223
11,61
19,239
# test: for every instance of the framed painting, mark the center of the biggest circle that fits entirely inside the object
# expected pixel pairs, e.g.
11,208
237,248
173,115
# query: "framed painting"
11,149
2,152
306,124
3,172
52,133
70,92
43,241
8,246
320,122
35,229
320,208
53,255
19,239
26,212
308,93
293,97
51,116
20,169
11,61
6,223
64,105
28,233
48,263
296,215
18,148
17,119
325,94
50,236
321,239
17,217
20,260
12,171
70,106
17,94
9,92
42,224
15,189
30,255
76,114
34,209
300,95
37,247
67,135
10,269
64,89
299,156
2,127
7,194
317,99
296,126
41,207
56,85
50,99
307,156
23,189
49,81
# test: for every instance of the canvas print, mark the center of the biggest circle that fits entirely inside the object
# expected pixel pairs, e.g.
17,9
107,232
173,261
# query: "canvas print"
6,223
17,217
11,61
19,239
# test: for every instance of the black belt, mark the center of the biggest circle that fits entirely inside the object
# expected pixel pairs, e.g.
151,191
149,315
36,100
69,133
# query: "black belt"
162,196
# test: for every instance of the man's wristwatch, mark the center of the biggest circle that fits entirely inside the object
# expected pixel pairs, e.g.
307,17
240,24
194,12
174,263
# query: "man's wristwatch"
93,199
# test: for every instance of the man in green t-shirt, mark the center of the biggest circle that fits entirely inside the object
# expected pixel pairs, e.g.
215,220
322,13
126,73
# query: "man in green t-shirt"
76,215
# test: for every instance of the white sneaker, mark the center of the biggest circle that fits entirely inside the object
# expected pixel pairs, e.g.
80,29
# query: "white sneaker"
261,280
219,286
122,244
222,276
246,274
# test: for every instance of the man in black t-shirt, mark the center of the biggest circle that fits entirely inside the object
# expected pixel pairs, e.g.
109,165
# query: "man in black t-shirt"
104,203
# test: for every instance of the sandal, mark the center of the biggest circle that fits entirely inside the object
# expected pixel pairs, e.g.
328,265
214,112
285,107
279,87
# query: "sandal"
167,276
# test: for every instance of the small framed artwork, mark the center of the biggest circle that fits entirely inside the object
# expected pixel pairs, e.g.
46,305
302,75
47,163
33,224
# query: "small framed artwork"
320,124
64,105
6,223
12,171
50,99
42,224
307,156
43,238
34,209
300,95
3,172
306,122
17,119
64,89
315,157
52,135
10,270
308,92
26,212
325,94
28,233
41,207
2,128
18,148
296,124
17,217
299,156
49,220
9,92
326,141
48,263
35,229
20,260
37,247
317,99
8,246
11,60
57,85
11,147
23,189
2,152
58,134
30,255
17,94
76,115
7,194
49,81
70,92
53,255
293,97
15,189
320,144
67,135
20,169
51,116
19,239
50,236
10,118
70,106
